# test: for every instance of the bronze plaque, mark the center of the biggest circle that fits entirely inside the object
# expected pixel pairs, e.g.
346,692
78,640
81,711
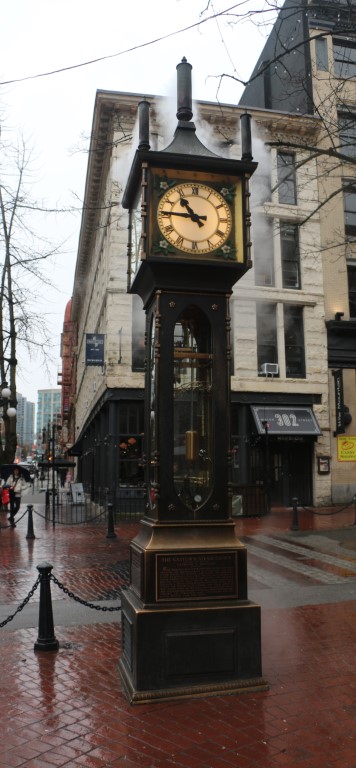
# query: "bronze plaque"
196,576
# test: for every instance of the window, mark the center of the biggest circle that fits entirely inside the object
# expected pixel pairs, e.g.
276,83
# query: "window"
266,335
344,59
130,418
294,342
130,443
290,255
347,134
287,192
350,209
351,274
263,256
321,52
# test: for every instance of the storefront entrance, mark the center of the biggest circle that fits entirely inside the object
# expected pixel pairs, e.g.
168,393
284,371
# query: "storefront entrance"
290,467
273,456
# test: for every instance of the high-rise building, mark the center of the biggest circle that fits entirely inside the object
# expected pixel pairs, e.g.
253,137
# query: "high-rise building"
25,424
48,409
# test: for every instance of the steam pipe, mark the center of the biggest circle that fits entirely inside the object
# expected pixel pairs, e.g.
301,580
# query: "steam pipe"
184,90
144,124
246,141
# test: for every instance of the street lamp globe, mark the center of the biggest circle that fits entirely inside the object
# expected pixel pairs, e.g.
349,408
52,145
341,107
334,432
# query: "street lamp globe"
6,393
11,412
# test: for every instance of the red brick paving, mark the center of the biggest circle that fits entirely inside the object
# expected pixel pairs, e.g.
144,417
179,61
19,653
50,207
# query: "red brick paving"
67,708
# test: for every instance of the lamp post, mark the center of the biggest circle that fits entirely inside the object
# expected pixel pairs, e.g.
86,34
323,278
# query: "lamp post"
7,402
55,428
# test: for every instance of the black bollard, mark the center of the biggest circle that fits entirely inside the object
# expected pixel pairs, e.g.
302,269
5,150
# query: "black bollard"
46,640
111,532
30,532
47,504
355,508
295,523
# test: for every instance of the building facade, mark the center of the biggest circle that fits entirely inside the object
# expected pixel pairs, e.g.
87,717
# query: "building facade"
25,425
308,67
280,391
48,409
67,380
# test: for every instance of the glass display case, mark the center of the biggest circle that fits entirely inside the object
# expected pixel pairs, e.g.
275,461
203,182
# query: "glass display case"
192,408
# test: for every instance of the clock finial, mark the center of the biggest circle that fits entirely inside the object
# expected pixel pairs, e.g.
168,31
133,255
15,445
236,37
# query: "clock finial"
184,90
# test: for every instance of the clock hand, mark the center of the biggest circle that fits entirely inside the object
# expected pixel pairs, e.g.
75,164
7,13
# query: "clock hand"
194,216
185,215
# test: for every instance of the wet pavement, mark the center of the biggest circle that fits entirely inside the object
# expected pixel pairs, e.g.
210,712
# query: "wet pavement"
67,708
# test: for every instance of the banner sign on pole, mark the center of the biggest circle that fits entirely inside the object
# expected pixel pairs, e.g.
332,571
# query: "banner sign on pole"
94,349
339,402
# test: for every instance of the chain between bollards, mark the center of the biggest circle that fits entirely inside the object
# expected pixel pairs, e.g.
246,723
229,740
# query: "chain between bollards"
295,522
111,531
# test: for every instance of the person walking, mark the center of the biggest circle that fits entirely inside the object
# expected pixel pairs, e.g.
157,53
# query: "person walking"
5,496
17,484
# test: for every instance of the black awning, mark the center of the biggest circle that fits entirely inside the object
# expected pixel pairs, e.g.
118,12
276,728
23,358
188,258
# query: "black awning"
58,464
285,420
76,449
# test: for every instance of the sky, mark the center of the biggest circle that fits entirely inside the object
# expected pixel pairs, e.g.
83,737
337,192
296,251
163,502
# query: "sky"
140,44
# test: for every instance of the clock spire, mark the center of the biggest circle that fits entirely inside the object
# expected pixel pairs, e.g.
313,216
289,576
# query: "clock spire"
185,141
184,90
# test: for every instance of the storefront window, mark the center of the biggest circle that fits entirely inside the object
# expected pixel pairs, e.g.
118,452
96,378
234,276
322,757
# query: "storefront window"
131,444
131,468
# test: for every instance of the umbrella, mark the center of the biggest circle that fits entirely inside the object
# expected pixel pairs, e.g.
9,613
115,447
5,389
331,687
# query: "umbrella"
7,469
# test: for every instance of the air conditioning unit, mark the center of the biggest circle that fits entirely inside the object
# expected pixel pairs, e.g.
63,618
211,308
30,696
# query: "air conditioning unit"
270,369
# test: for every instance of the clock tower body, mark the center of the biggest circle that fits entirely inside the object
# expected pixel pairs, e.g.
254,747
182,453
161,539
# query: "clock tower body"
188,627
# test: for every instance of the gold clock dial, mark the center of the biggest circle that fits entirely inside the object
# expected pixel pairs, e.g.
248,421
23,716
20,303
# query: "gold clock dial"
194,217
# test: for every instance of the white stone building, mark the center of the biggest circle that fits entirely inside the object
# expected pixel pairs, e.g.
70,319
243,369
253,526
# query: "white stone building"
280,393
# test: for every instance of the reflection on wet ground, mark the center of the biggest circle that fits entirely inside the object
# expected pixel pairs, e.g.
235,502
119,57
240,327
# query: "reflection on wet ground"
67,708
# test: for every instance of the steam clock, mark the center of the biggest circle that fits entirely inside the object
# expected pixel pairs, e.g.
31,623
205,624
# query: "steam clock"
188,627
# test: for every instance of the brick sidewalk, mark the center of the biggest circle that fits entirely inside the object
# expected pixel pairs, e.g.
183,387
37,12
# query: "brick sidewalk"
67,708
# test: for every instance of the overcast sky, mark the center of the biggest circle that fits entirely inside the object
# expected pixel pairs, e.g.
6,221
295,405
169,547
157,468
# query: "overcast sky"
54,112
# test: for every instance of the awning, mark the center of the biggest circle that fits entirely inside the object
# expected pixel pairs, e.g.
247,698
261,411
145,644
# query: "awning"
285,420
58,464
77,448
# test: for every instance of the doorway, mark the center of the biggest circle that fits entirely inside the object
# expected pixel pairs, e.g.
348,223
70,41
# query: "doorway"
290,472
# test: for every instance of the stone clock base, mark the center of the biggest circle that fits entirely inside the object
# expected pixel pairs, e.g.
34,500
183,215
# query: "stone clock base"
178,651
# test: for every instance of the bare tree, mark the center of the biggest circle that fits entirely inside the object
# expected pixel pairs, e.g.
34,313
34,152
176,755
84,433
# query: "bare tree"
305,69
22,253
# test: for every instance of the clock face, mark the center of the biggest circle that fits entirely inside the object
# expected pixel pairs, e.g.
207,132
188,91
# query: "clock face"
194,217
